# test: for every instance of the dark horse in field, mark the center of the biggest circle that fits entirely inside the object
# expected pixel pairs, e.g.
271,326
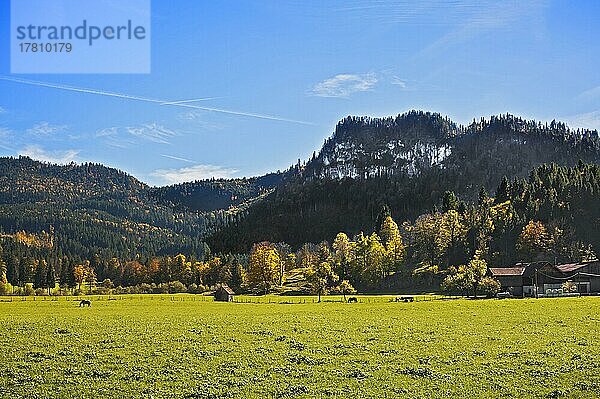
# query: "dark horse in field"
352,300
85,302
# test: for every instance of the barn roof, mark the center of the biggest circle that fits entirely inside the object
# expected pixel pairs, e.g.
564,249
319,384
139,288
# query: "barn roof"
507,271
227,289
571,267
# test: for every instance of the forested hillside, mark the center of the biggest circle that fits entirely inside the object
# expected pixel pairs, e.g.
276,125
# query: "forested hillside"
93,210
215,194
565,200
407,163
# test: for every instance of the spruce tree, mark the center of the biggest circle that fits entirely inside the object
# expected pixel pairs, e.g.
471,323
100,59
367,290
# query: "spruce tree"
50,278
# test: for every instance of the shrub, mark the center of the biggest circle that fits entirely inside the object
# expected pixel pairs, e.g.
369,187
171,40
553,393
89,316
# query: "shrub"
489,287
569,286
176,287
107,283
119,290
41,292
28,290
454,284
5,289
197,289
101,291
145,288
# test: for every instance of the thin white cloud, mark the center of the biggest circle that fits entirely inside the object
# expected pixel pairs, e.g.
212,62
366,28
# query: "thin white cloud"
588,120
589,94
396,81
125,137
422,13
3,110
5,132
5,135
45,129
200,120
489,17
112,137
177,158
40,154
152,132
107,132
192,173
148,99
343,85
188,116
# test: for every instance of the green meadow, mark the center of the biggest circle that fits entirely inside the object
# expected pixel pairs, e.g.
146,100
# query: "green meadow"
191,347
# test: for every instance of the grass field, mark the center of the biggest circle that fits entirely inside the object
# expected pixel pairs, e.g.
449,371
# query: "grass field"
154,347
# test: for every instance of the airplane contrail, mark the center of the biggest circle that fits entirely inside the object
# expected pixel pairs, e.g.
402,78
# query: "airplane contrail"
177,158
189,101
79,89
148,99
249,114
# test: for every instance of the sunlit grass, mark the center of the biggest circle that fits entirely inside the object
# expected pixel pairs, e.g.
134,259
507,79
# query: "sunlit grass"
188,346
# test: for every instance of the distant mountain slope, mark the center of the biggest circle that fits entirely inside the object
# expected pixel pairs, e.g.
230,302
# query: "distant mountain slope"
26,180
92,209
214,194
406,162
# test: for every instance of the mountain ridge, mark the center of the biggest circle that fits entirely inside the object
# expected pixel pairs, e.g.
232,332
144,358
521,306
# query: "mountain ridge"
406,162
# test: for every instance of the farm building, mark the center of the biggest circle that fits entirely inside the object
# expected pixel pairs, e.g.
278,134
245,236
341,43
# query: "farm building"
585,275
224,293
523,278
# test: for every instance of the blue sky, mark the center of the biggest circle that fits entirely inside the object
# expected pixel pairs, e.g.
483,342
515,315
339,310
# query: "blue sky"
298,67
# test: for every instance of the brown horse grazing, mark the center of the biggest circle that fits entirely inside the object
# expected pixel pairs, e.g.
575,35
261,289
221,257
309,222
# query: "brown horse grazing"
352,300
85,302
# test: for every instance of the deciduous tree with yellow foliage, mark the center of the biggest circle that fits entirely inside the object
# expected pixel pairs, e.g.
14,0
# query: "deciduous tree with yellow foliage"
264,267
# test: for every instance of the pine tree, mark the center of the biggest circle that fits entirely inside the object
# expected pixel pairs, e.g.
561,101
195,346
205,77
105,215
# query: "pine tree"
503,191
65,273
40,274
50,278
449,202
25,268
12,270
482,197
3,270
383,214
237,275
